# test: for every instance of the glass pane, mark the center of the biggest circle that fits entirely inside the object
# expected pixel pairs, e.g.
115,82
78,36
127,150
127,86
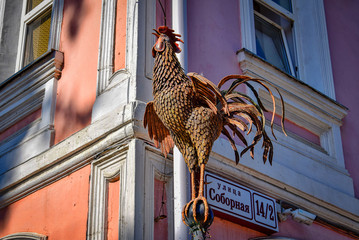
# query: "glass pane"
37,37
31,4
272,15
269,43
286,4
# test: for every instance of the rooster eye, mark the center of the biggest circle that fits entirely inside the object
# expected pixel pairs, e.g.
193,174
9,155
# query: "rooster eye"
159,46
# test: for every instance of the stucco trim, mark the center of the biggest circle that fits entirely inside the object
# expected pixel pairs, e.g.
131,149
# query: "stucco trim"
104,169
25,235
33,88
156,164
106,45
305,107
71,154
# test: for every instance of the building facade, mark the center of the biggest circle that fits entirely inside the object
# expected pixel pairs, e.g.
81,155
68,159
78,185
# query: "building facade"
77,163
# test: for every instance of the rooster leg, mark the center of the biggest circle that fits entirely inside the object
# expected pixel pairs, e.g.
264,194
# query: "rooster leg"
201,197
193,183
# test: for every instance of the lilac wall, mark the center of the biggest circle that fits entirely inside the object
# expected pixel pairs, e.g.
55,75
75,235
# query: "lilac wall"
207,27
343,32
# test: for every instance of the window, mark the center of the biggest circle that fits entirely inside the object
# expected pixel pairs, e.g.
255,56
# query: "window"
10,26
28,29
286,43
28,77
274,34
34,31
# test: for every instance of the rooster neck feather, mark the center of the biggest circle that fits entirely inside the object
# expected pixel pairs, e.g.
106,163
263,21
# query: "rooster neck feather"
167,71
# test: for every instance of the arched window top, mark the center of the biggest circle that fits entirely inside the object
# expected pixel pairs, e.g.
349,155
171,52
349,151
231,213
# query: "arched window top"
24,236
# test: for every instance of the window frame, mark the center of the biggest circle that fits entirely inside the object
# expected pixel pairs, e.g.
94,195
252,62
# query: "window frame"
26,19
30,88
277,9
318,75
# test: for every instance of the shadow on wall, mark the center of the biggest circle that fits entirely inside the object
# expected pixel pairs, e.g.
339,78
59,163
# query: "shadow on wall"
75,10
78,114
72,118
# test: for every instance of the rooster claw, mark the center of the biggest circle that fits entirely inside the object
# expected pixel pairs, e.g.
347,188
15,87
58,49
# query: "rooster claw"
197,213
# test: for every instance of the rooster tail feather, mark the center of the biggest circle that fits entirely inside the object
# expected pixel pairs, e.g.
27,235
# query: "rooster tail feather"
233,144
244,109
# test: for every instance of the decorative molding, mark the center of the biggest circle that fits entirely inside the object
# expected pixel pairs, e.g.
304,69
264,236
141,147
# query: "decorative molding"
32,88
154,169
106,45
129,84
247,24
56,23
305,106
25,236
69,155
324,52
116,94
104,170
149,39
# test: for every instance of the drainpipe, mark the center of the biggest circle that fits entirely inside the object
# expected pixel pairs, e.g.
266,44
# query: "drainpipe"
180,171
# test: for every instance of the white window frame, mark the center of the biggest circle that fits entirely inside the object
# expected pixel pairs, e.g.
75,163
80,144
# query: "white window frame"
318,76
2,14
26,19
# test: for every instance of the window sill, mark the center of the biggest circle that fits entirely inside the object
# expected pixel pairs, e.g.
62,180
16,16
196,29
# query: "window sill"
305,107
32,88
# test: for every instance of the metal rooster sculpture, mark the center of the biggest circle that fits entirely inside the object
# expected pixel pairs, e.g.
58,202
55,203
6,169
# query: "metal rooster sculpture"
191,112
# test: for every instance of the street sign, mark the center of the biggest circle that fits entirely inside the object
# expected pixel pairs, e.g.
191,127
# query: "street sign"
240,203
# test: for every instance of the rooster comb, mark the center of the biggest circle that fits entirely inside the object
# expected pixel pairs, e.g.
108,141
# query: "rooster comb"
169,33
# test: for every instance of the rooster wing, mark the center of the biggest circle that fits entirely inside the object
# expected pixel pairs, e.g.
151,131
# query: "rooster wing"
156,130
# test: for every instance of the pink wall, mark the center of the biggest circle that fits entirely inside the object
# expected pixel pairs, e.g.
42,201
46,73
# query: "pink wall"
160,231
120,36
343,32
210,23
113,209
223,229
290,228
77,87
58,210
